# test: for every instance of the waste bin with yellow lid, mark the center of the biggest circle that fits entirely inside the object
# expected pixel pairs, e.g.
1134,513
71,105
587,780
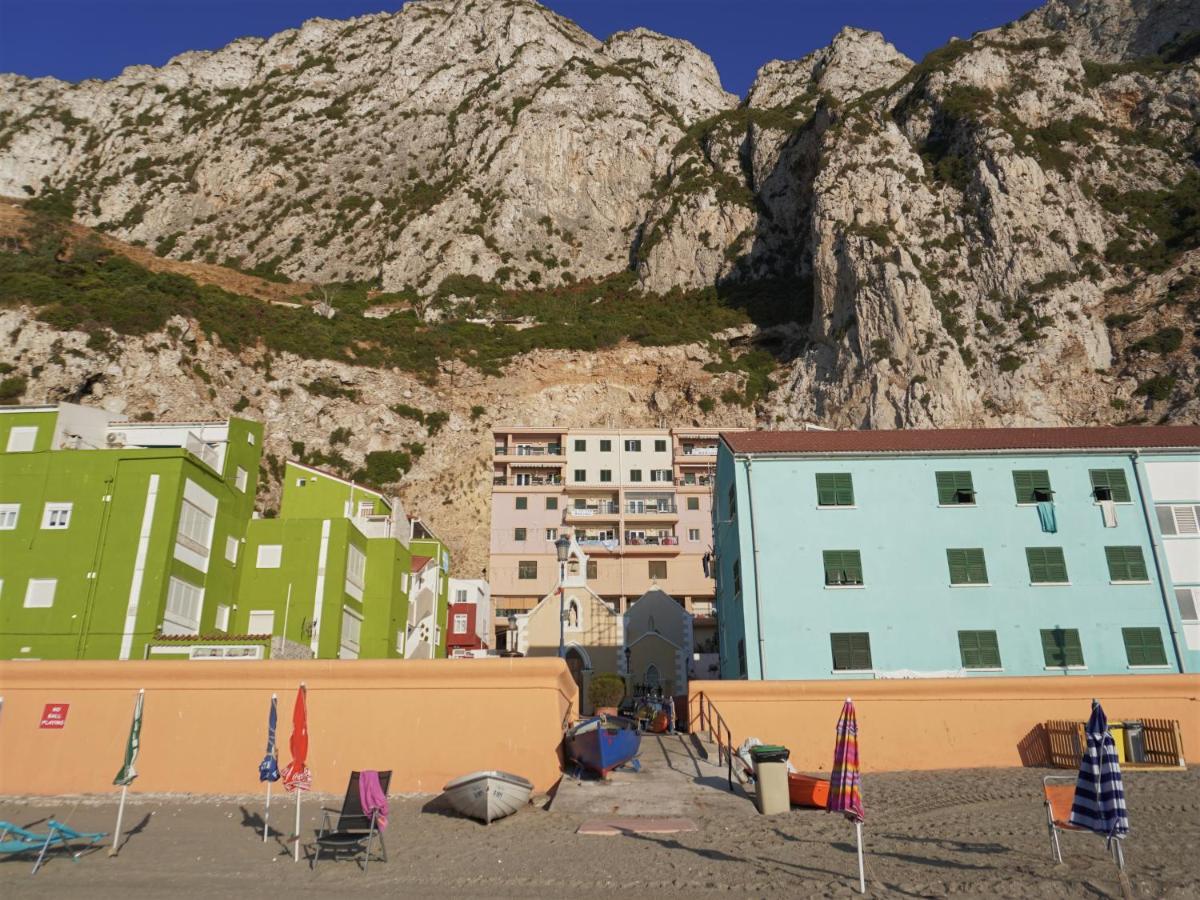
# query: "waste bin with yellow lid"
770,779
1117,730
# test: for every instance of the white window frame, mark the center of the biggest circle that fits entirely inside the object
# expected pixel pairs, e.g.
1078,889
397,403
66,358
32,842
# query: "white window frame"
22,438
1191,519
37,586
696,533
222,620
460,619
269,556
197,521
239,479
57,516
231,549
356,571
349,648
460,595
10,515
183,608
250,629
552,534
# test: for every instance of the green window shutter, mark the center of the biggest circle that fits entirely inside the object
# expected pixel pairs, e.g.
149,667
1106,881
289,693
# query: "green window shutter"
951,484
1114,480
1047,565
1026,482
836,489
967,566
1061,647
979,649
851,650
1144,646
1126,564
843,567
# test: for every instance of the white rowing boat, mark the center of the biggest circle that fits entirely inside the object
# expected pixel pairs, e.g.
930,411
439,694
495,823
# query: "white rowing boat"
488,796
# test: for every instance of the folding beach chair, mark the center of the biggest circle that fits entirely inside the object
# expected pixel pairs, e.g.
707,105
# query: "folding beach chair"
356,831
1059,793
15,840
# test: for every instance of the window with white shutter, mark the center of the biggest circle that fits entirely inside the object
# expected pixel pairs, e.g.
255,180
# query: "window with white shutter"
22,439
351,633
9,514
184,602
39,593
356,571
269,556
1178,520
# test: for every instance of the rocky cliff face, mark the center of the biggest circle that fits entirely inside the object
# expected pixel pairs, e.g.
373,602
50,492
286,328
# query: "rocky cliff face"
1005,233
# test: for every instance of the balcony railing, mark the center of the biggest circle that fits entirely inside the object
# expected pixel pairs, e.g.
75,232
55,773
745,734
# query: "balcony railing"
669,540
651,509
205,452
373,526
699,451
697,481
533,481
595,509
529,450
598,542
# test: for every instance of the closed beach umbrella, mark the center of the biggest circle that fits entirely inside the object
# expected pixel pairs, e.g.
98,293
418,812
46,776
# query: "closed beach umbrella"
128,771
845,784
1099,803
268,769
296,777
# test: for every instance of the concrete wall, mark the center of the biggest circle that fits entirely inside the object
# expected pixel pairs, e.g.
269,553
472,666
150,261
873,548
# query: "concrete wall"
204,724
941,723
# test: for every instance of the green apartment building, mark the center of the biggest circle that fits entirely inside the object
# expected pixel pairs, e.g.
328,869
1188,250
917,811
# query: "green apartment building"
131,540
112,533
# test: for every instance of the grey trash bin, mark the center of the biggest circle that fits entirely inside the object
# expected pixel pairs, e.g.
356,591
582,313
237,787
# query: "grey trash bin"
1135,742
770,779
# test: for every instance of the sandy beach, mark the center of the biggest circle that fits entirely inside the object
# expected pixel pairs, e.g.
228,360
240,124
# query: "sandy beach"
973,833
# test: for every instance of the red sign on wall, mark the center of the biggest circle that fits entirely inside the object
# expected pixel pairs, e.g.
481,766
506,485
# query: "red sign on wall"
55,715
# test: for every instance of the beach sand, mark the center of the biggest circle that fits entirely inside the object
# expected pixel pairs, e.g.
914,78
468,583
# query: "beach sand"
974,833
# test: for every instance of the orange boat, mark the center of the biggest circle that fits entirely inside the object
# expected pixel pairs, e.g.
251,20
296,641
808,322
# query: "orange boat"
806,791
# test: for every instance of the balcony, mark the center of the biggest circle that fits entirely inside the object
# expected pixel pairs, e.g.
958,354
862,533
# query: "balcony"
604,509
524,451
651,545
205,451
527,481
694,481
699,451
603,545
662,508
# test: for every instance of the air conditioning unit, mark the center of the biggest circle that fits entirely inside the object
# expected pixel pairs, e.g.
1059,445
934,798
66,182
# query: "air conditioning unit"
115,439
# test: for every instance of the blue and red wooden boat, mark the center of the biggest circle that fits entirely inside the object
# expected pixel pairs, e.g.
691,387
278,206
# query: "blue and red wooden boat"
603,743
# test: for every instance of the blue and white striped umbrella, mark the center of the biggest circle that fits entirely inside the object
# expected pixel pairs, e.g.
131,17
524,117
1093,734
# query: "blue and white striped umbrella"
1099,794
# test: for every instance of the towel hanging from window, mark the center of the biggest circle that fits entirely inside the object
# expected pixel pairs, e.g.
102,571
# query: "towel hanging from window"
1108,509
1046,516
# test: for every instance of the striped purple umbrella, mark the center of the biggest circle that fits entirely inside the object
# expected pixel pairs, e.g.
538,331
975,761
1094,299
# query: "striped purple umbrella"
845,784
1099,803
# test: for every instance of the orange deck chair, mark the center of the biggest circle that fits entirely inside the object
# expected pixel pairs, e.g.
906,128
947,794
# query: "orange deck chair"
1059,793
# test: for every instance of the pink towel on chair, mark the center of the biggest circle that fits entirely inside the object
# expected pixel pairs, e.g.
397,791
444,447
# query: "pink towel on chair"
372,797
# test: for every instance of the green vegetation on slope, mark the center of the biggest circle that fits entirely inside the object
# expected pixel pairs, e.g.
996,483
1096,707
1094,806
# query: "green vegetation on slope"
85,287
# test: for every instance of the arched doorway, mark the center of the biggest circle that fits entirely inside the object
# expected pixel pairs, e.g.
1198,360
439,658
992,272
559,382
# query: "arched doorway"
576,665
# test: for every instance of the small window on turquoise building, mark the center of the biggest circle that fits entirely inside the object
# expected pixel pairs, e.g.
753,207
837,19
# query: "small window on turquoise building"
1046,565
1032,486
843,568
1109,484
967,566
1144,646
1126,564
1061,648
979,649
851,651
955,489
835,489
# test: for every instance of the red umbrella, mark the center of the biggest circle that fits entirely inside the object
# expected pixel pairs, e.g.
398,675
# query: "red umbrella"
296,776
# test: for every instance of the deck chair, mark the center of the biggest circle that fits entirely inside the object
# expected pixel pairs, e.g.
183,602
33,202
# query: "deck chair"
356,831
15,841
1059,793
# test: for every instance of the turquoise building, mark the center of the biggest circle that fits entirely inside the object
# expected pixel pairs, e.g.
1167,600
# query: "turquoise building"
984,552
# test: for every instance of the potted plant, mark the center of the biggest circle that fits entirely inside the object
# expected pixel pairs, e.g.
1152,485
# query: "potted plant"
605,692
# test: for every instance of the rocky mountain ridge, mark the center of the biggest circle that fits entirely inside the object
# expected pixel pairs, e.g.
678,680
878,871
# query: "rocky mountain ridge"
1004,233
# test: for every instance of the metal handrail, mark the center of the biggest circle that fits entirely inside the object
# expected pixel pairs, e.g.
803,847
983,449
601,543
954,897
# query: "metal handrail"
710,716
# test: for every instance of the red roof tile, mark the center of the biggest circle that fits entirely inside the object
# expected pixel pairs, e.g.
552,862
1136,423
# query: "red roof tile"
419,562
949,440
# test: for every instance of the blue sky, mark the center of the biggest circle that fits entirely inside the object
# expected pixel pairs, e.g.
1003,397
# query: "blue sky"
76,39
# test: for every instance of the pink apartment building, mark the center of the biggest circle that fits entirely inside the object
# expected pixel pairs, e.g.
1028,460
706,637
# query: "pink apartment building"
638,501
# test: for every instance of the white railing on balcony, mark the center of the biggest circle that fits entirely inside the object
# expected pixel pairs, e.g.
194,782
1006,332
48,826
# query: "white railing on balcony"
697,480
650,509
204,451
669,540
529,450
606,508
527,481
373,526
699,451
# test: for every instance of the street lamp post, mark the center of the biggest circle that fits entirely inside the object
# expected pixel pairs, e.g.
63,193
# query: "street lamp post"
562,547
